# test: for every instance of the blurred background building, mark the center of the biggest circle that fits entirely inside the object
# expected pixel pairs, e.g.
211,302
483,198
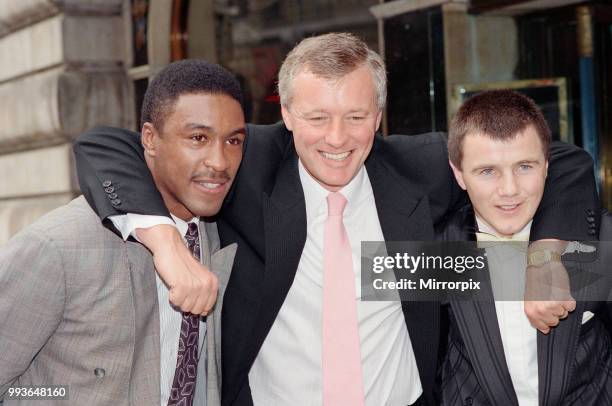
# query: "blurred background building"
67,65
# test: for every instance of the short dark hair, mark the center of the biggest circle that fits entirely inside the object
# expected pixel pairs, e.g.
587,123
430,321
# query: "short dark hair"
498,114
187,76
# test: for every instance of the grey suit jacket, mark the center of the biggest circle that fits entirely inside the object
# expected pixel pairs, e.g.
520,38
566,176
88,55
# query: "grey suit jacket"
78,307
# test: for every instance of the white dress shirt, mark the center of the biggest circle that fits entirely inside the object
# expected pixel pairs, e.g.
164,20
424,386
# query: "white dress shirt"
507,268
287,370
170,319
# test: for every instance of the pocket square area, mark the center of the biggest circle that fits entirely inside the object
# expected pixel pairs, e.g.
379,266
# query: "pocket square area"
586,316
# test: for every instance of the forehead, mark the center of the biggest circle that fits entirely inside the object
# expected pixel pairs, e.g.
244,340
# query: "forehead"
210,108
479,148
354,90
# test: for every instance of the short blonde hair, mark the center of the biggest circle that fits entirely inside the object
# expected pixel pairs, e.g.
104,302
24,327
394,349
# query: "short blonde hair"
331,56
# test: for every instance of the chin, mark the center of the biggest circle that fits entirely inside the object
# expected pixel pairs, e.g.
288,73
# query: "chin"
206,211
510,229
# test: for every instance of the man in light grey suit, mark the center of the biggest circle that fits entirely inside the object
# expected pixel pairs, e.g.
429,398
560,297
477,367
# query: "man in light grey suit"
82,308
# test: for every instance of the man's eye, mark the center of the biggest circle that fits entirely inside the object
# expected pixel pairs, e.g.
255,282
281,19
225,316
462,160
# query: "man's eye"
357,118
525,167
198,138
235,141
486,171
316,119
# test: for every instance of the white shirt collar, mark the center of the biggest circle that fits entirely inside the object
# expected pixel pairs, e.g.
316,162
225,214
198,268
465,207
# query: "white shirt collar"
315,195
486,228
183,225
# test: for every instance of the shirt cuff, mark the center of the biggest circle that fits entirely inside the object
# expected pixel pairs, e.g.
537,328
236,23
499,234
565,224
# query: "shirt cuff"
128,223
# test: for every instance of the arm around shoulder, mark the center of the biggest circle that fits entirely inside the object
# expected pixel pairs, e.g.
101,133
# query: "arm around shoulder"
113,174
570,205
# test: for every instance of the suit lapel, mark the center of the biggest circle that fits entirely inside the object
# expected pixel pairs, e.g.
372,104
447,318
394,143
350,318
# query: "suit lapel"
396,205
556,352
479,328
404,216
219,262
483,343
284,214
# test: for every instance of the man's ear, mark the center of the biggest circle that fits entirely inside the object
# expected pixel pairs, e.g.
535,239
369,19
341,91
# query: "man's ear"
287,119
148,139
458,175
378,120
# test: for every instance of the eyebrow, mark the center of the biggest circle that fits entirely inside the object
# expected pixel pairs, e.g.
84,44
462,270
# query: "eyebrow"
241,130
315,111
492,165
483,166
197,126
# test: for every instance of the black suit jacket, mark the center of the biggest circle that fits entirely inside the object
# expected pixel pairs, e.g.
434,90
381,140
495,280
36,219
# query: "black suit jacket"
265,213
574,359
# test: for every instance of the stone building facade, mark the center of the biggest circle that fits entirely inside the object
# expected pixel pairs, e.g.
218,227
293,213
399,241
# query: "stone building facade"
61,72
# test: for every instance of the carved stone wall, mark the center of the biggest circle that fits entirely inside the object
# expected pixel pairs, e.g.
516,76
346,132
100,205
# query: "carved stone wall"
62,72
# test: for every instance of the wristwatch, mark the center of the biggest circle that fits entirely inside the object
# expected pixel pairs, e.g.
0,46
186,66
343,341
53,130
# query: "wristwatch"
541,257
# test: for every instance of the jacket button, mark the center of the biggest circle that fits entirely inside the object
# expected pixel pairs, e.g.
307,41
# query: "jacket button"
109,189
99,372
107,183
590,212
115,202
112,196
468,401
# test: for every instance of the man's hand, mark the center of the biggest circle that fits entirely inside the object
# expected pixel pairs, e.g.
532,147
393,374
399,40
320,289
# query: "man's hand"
548,287
548,298
193,288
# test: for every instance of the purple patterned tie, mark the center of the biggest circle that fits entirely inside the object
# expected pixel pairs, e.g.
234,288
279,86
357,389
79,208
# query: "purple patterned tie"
183,386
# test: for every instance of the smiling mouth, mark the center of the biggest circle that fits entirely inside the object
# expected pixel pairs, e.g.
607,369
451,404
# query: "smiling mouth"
508,207
336,157
212,187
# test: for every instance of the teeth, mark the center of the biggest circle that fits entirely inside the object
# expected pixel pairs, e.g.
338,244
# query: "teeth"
509,207
336,157
208,185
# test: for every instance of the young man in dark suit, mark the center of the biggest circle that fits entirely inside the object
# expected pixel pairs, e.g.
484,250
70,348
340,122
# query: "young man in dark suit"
276,337
498,149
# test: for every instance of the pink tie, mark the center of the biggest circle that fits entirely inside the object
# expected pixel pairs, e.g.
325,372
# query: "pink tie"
342,376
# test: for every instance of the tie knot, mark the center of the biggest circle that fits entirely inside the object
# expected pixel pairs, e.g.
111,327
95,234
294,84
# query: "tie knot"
335,204
193,240
192,230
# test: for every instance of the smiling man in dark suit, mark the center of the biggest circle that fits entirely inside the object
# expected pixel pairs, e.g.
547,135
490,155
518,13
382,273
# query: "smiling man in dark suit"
308,192
498,149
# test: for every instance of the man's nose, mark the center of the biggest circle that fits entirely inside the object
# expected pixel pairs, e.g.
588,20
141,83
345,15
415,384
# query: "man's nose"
336,136
508,185
216,157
